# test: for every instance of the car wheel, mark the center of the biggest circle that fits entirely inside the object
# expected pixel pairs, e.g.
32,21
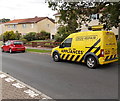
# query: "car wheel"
23,51
2,49
56,57
10,50
91,62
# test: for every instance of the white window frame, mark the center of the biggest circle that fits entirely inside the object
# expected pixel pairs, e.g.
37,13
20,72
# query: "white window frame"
32,25
24,25
14,26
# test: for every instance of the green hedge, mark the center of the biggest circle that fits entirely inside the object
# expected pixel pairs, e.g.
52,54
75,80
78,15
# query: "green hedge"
119,51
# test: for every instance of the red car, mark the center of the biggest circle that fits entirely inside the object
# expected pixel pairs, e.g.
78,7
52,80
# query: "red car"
13,46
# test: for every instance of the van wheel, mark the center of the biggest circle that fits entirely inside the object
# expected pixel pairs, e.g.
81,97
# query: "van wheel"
56,57
91,62
10,50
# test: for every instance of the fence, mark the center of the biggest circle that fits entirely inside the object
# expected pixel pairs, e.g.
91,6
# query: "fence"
42,44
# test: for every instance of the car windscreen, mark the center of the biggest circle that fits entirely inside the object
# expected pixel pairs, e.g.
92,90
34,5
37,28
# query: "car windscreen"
18,43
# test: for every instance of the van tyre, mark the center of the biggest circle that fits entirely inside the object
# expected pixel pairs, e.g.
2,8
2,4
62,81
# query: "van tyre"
91,62
56,57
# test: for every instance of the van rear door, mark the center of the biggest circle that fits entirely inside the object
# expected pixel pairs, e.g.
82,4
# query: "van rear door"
109,46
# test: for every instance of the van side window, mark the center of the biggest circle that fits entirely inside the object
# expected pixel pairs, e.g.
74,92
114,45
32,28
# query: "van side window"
67,42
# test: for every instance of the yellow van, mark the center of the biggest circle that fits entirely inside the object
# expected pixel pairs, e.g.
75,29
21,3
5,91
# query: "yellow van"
90,47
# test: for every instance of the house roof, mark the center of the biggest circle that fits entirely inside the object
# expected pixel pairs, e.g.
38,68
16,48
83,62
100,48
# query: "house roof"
28,20
56,14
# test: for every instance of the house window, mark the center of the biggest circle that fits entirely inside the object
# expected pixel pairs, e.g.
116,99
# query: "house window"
32,25
8,26
24,25
94,16
48,25
14,26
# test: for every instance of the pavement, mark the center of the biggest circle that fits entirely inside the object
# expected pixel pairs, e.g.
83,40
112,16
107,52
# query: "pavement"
11,88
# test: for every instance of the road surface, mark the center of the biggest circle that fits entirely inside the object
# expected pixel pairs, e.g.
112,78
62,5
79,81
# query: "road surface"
62,80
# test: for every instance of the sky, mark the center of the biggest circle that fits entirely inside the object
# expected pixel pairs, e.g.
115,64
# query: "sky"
18,9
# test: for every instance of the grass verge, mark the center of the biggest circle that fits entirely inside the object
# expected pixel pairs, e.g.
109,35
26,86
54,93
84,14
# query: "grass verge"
38,50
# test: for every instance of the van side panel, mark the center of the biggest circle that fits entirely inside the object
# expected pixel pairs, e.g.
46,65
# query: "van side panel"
87,42
79,44
109,45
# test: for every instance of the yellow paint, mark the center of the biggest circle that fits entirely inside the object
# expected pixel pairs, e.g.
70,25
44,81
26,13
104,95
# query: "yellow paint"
90,42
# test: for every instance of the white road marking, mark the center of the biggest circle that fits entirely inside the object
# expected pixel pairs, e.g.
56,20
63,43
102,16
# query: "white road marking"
44,98
9,79
2,76
31,93
18,85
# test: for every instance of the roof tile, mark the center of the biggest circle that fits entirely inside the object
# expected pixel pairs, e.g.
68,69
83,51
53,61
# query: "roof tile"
28,20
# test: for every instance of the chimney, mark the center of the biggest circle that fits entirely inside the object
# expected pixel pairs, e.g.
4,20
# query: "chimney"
36,16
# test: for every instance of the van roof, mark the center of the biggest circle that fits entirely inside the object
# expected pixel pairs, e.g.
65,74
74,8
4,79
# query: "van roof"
73,34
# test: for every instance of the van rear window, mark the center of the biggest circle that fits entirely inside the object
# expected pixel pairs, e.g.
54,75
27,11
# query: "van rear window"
18,43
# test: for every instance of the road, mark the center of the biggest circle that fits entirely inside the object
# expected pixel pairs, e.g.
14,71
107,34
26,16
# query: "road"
62,80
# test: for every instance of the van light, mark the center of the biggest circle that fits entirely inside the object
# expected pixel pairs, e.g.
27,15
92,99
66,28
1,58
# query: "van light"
102,53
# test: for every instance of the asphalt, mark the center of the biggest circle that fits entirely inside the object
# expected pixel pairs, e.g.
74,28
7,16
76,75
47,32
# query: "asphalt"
62,80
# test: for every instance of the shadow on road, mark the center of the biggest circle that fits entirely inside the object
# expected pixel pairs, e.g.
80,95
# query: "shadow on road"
105,66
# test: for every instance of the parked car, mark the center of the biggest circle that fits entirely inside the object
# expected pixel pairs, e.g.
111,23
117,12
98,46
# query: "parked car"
13,46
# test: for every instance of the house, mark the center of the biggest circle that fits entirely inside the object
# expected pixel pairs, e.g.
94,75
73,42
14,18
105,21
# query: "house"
36,24
94,21
1,28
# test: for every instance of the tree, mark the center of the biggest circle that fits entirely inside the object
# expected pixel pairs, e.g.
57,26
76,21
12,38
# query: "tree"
75,14
62,33
111,16
4,20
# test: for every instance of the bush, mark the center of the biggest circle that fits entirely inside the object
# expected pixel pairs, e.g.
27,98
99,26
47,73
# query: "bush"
24,40
1,37
43,35
18,35
9,35
30,36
